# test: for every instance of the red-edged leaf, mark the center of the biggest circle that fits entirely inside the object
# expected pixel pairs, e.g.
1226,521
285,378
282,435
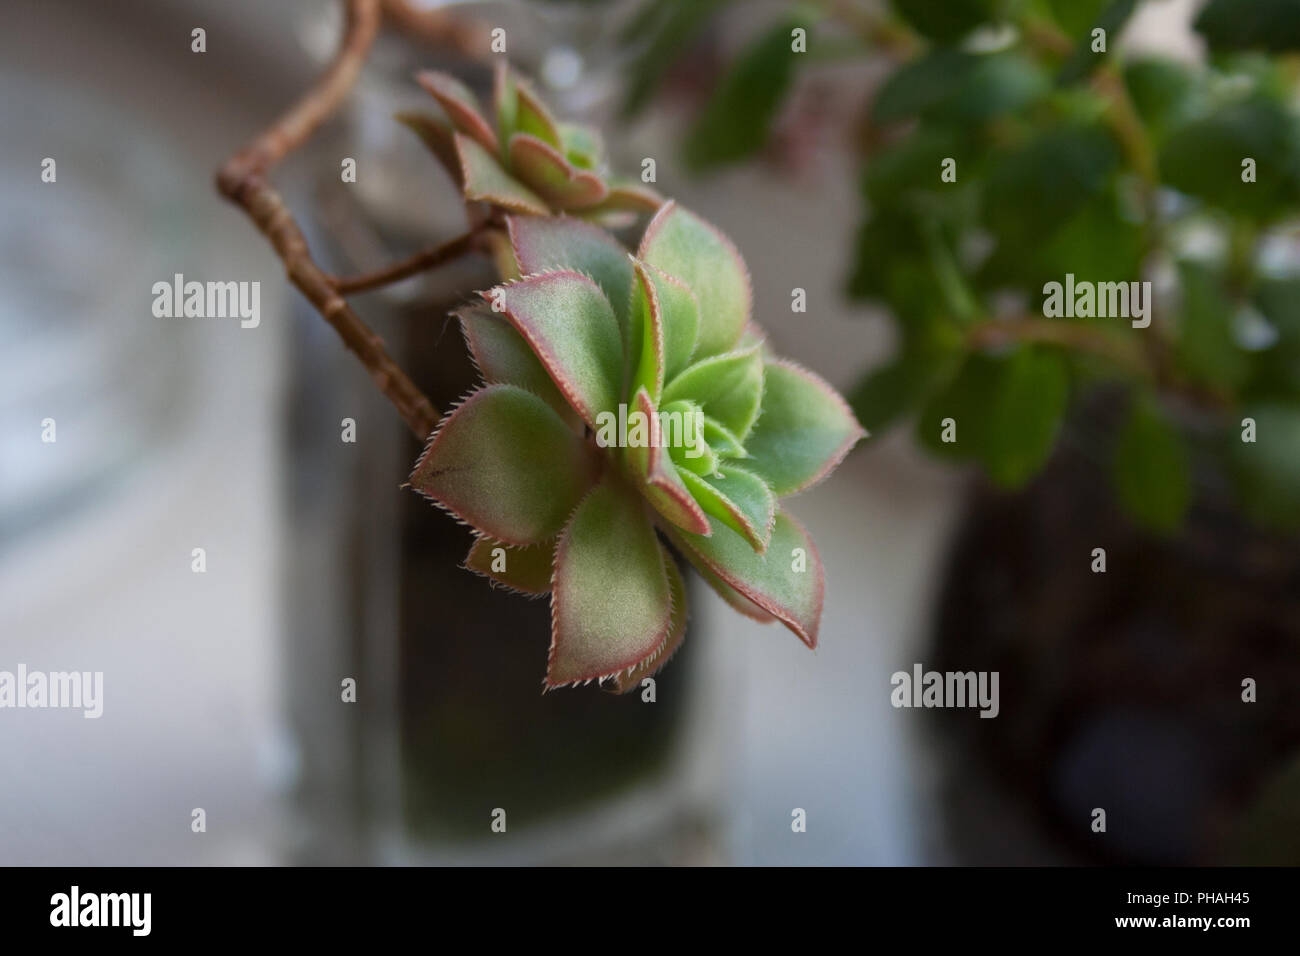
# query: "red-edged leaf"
611,607
440,137
507,465
733,597
622,683
646,345
805,430
527,570
486,181
505,106
771,579
503,357
632,197
676,311
462,107
549,243
553,177
729,387
569,325
661,483
739,499
684,245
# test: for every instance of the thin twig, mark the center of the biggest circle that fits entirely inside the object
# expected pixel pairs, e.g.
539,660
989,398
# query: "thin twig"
1072,335
426,259
243,180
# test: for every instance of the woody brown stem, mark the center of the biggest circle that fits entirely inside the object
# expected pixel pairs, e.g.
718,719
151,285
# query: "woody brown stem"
243,180
426,259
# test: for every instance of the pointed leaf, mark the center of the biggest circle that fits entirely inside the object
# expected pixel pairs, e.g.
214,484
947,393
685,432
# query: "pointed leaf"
738,499
527,570
503,357
733,597
697,458
629,196
505,106
568,323
553,177
486,181
440,137
723,440
622,683
729,387
660,482
545,244
611,607
532,117
805,430
504,463
769,579
687,444
462,107
646,339
681,320
684,245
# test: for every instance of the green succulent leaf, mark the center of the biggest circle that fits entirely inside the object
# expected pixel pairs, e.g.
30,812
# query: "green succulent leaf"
505,105
729,387
582,145
740,500
684,245
772,580
461,106
506,464
533,118
699,458
440,138
661,483
526,570
805,429
503,357
550,243
724,442
611,606
486,181
568,323
733,597
550,175
646,351
622,683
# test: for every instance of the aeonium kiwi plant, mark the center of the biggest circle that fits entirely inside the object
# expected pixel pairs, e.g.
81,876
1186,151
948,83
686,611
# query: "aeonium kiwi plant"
628,401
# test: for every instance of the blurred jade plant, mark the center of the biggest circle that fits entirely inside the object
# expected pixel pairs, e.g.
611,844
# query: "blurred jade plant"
1015,153
625,396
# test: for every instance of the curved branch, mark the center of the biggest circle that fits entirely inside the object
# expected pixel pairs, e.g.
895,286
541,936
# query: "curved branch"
243,180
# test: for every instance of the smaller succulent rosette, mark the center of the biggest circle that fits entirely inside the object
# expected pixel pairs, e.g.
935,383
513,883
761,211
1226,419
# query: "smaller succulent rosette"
629,401
519,157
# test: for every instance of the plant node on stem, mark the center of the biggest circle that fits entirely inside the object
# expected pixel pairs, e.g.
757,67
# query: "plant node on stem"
243,180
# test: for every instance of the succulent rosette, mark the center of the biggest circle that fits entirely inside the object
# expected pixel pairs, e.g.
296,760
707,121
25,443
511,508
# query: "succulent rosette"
560,509
522,159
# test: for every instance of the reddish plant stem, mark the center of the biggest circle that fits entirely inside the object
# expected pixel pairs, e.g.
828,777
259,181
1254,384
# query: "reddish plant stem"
243,180
426,259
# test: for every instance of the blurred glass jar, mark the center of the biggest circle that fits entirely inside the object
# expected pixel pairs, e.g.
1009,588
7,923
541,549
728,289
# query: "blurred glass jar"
450,725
